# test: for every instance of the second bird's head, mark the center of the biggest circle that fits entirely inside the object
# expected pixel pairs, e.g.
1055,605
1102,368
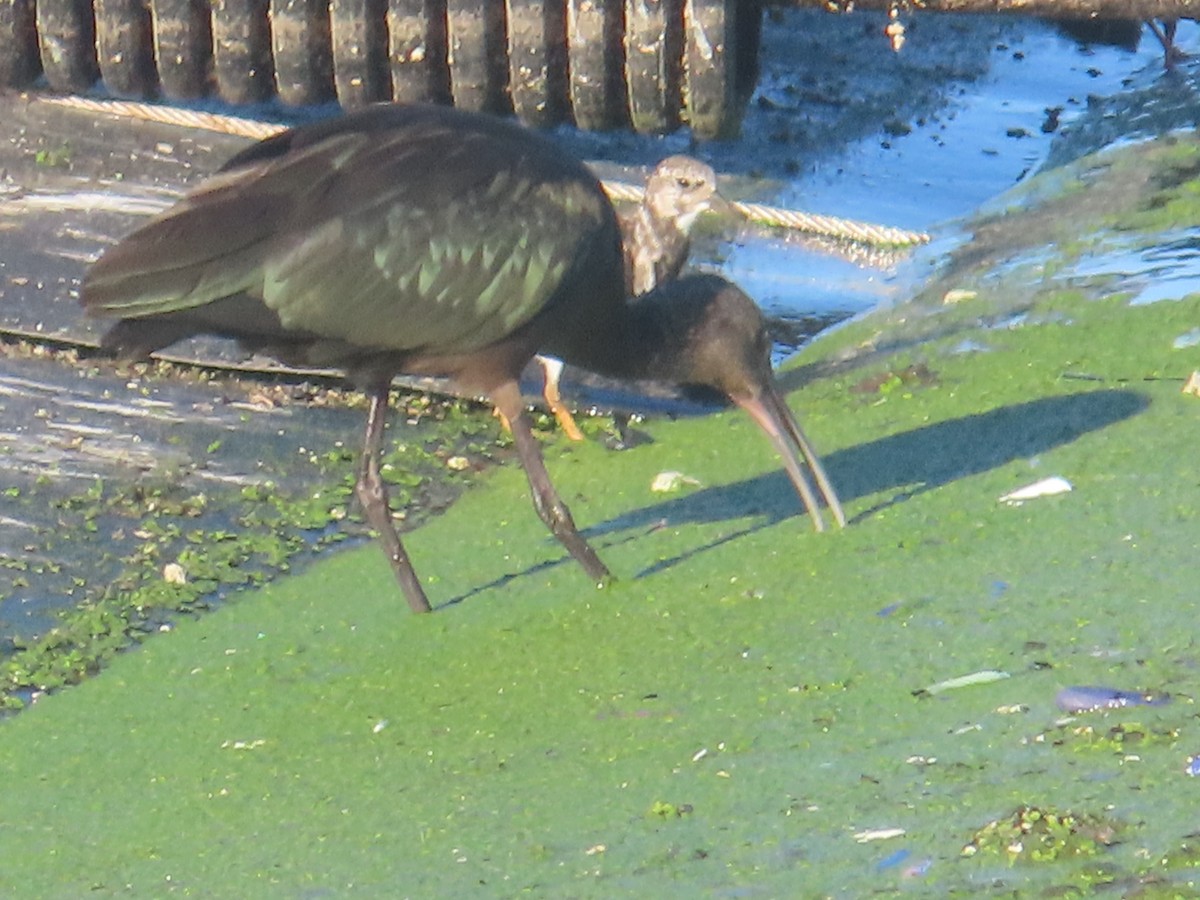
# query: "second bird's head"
679,189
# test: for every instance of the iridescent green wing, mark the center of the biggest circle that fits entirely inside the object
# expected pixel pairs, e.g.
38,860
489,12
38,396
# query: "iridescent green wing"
388,229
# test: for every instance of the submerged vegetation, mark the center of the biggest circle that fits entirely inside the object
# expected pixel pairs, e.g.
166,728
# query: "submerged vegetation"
136,550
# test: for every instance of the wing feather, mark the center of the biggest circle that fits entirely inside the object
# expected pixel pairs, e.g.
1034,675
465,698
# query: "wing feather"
210,244
393,228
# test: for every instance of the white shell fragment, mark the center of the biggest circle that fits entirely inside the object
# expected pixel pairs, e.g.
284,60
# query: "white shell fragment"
666,482
1047,487
878,834
958,295
1192,385
985,677
243,745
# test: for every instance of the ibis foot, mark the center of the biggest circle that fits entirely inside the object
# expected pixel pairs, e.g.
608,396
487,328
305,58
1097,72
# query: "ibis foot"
553,368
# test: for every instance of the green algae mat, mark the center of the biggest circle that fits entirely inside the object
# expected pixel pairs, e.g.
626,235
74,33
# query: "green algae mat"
752,709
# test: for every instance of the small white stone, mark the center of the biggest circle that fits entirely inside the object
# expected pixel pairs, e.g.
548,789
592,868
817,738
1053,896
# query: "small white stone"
666,482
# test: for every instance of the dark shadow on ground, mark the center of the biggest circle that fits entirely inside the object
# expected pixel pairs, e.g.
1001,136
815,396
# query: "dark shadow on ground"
906,464
911,462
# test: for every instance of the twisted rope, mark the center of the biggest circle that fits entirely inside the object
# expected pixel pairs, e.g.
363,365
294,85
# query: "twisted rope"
832,226
811,223
169,115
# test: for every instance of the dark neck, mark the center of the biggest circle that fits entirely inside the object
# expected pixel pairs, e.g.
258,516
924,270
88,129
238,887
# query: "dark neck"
633,341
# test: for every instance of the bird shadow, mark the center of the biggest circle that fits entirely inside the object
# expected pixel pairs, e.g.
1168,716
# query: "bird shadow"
900,466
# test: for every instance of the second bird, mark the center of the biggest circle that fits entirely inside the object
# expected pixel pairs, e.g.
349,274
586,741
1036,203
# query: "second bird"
656,236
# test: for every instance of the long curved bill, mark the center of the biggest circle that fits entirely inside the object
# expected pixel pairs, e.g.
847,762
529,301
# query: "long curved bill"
774,417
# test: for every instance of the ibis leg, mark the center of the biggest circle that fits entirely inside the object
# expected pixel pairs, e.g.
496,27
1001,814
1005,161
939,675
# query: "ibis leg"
546,501
372,494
